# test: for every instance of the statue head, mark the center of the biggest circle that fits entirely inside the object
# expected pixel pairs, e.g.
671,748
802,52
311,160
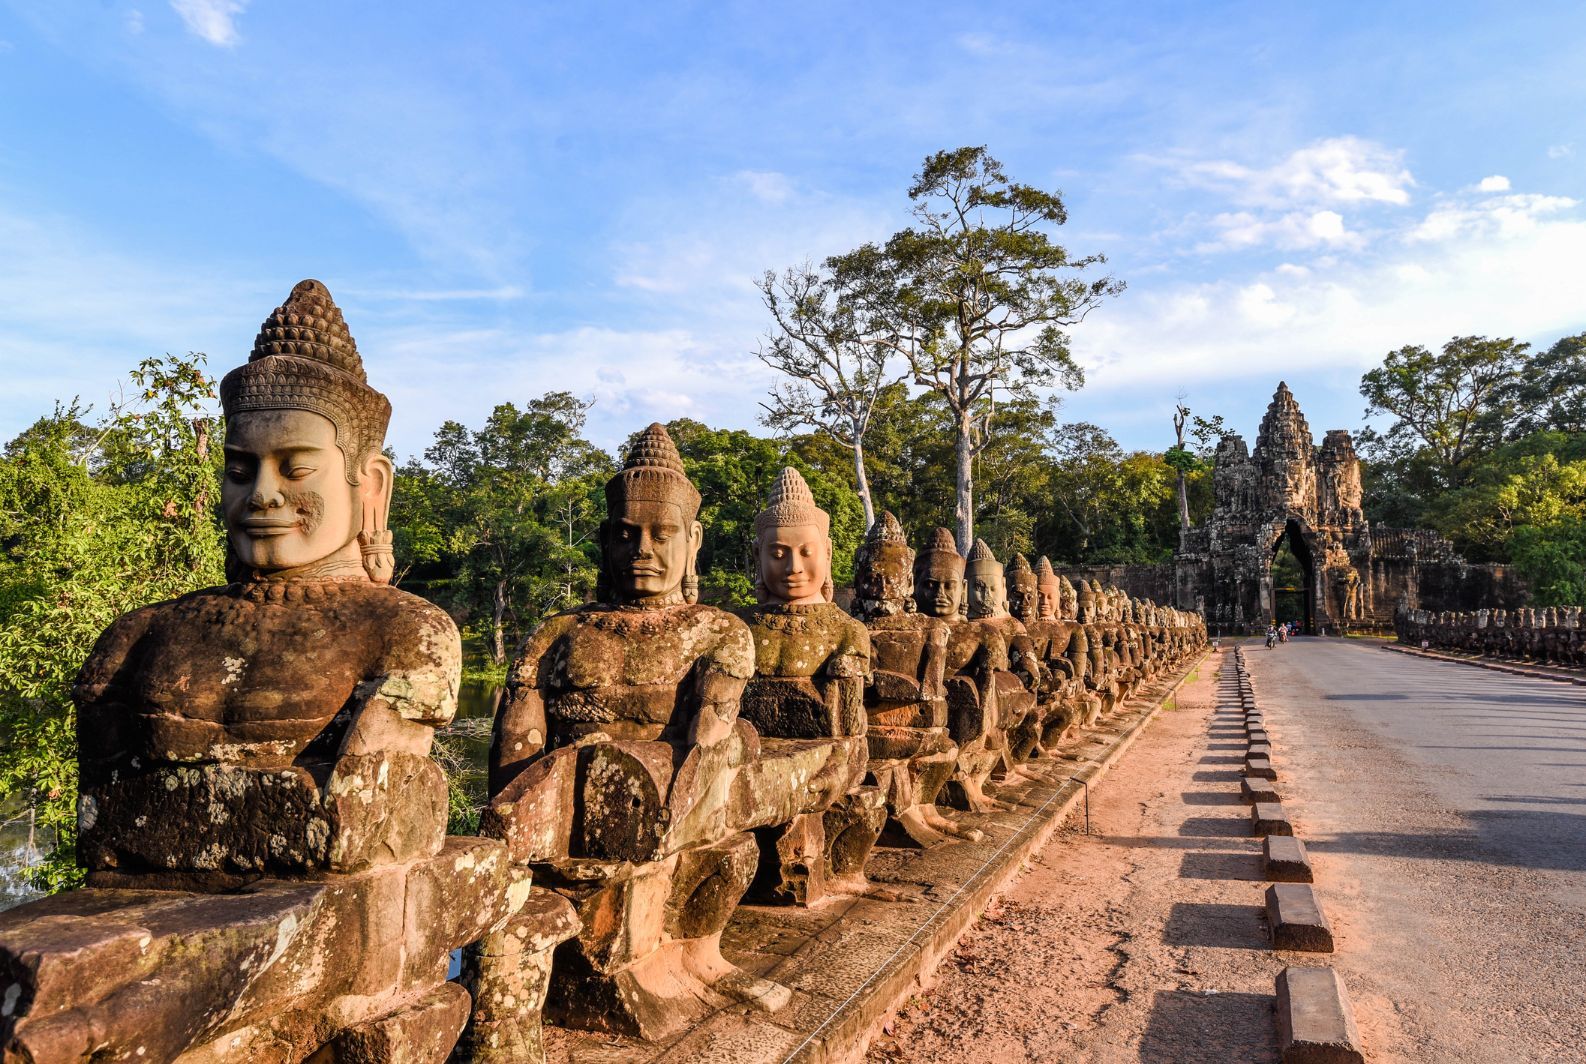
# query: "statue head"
986,593
1085,603
306,483
1023,589
1067,599
884,570
1048,590
651,536
939,577
792,545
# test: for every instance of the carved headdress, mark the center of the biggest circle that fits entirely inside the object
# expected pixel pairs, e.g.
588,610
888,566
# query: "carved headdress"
1018,571
653,472
940,545
304,358
790,503
883,568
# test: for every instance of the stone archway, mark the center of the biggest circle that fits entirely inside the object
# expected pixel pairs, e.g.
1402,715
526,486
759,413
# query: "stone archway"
1296,602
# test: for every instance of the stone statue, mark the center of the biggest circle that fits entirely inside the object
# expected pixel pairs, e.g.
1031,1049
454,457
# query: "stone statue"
1101,669
911,756
1018,684
1034,596
811,662
973,658
614,766
257,794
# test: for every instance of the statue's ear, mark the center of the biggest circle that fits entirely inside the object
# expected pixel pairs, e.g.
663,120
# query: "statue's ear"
376,476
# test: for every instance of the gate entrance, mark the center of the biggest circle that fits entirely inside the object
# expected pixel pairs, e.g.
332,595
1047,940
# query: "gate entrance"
1293,576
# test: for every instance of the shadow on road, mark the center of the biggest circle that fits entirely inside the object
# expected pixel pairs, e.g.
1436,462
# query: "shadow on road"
1201,864
1186,1027
1541,839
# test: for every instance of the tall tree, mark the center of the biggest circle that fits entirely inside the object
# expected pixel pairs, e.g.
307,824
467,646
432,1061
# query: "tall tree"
1179,457
976,294
1450,406
838,368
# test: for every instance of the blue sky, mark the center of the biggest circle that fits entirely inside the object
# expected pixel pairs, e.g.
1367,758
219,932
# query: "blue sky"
508,198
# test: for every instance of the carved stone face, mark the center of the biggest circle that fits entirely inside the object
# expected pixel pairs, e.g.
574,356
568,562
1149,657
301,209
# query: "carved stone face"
885,576
937,586
286,499
649,547
1024,597
795,563
987,590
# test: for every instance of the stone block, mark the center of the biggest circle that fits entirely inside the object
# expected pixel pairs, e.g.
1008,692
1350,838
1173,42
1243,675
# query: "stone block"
1296,920
1270,818
1258,737
1316,1024
1285,859
1258,789
1259,750
1261,767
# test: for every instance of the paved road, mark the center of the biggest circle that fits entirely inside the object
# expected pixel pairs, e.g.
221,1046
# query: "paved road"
1445,810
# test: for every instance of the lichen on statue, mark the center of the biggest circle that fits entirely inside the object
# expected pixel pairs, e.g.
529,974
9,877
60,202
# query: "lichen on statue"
271,735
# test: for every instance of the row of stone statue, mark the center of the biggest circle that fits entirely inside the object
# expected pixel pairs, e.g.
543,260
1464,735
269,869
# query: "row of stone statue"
263,830
1553,635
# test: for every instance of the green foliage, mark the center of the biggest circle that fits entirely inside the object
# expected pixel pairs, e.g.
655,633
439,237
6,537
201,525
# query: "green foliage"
95,520
500,523
1488,447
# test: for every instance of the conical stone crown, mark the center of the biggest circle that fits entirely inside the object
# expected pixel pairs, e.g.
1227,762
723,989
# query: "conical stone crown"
791,503
309,324
886,530
653,472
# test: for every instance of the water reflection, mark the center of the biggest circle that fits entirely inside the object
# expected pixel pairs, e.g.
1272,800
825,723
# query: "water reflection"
20,849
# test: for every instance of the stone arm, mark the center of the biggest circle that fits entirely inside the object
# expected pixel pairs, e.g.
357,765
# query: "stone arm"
933,663
1025,662
102,703
718,684
1077,653
520,728
844,676
412,689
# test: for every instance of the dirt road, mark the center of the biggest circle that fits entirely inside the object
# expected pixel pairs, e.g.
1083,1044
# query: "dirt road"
1142,942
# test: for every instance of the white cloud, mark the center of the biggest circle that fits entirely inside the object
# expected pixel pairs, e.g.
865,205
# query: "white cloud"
1337,170
212,20
1560,151
767,186
1497,265
1293,231
1495,183
134,21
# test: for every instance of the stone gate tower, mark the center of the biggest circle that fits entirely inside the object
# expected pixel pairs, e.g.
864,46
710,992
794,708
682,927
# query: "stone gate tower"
1290,488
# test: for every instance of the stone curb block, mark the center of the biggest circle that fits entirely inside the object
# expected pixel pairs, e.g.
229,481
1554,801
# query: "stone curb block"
1270,818
1285,860
1259,736
1260,767
1316,1024
1296,920
1258,789
1259,750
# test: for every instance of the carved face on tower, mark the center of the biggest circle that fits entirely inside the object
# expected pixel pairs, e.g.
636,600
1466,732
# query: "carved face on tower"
1023,588
305,482
939,577
651,536
884,570
793,545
